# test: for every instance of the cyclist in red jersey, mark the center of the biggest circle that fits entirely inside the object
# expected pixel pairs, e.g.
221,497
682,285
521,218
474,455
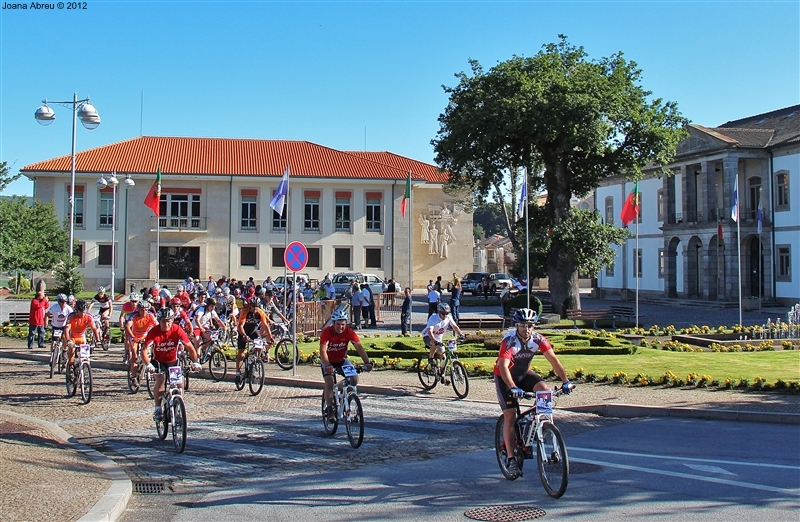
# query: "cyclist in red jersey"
165,340
513,376
333,343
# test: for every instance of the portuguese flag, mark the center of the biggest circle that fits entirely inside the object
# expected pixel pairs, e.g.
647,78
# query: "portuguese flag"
406,197
154,195
631,207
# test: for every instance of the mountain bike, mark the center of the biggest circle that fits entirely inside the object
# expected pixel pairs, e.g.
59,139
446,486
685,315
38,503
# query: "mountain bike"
347,404
104,342
173,410
186,365
141,374
253,371
534,427
80,375
58,353
284,347
450,371
215,356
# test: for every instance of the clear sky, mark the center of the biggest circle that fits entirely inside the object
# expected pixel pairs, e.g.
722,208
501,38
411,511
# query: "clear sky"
356,75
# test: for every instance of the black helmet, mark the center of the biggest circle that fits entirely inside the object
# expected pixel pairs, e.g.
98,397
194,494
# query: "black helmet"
80,305
254,302
165,314
443,308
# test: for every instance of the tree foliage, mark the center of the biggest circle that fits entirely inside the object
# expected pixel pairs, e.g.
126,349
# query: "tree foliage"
31,236
564,120
5,178
68,279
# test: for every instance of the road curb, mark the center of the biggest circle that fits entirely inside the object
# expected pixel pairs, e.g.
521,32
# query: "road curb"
632,410
115,500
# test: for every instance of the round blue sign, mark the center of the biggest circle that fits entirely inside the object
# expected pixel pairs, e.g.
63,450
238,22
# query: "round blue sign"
295,256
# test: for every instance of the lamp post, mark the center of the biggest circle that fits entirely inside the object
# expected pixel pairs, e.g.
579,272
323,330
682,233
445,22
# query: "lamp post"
84,110
112,181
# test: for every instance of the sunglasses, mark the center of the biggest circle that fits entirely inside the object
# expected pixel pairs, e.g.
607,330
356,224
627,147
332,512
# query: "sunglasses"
526,325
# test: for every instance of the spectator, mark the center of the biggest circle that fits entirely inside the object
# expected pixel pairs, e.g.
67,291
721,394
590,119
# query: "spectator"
455,299
505,299
438,284
330,290
405,312
356,299
368,306
37,319
433,299
211,285
485,286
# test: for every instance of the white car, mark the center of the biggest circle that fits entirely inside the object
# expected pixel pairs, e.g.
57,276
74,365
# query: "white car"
496,281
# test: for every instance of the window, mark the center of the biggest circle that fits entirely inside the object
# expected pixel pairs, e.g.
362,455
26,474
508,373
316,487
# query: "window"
662,263
610,271
106,209
637,263
248,256
342,212
278,220
277,257
342,258
311,211
179,262
104,254
754,185
372,258
609,210
179,210
781,187
78,252
490,255
78,206
249,210
374,211
660,204
784,263
313,257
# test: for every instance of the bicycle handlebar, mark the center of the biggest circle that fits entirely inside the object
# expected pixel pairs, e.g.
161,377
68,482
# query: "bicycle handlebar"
557,392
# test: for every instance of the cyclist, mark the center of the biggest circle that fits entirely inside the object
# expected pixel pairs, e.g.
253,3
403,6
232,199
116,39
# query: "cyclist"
206,318
137,325
58,314
165,340
253,323
434,331
75,331
513,376
181,316
128,308
183,295
104,300
333,343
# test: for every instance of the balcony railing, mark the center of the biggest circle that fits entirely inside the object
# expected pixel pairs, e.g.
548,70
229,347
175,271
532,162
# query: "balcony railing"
179,223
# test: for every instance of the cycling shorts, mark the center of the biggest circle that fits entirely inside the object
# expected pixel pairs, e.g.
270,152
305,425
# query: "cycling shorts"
527,383
337,367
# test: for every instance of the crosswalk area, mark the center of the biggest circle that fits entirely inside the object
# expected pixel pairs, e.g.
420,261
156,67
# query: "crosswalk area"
288,441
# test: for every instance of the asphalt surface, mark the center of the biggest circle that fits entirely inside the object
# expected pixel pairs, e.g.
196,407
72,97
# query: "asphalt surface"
53,441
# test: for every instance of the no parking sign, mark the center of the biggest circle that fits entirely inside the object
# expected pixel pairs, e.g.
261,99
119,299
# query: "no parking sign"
295,256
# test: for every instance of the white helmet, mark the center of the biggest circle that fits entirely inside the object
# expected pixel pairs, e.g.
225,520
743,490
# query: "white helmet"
339,315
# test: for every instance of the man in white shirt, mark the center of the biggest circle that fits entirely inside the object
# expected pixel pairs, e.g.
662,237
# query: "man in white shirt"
433,299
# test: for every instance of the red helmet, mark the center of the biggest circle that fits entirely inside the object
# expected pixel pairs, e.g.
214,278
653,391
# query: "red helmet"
176,301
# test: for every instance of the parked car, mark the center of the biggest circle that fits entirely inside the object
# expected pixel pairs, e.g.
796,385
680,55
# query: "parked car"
301,278
496,281
472,281
344,280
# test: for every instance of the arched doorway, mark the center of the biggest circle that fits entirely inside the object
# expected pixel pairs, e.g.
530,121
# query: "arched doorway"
671,268
694,268
716,268
754,278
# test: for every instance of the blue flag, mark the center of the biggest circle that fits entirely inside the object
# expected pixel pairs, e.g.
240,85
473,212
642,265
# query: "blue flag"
735,209
523,199
279,198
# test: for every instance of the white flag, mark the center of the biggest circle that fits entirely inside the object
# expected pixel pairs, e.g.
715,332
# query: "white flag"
735,209
523,200
280,195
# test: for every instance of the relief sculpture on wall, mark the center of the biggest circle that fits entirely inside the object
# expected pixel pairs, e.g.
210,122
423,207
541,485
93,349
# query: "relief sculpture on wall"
437,227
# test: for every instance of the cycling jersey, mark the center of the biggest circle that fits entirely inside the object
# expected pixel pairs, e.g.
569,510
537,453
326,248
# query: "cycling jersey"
205,320
337,344
439,325
78,323
104,300
250,320
520,357
141,325
60,315
165,344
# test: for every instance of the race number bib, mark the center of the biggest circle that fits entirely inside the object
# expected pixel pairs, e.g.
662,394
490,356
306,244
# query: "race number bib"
349,371
258,343
85,351
452,345
175,375
544,402
57,334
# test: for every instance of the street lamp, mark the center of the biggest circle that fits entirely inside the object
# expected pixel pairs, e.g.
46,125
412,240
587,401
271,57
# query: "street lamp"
85,111
113,182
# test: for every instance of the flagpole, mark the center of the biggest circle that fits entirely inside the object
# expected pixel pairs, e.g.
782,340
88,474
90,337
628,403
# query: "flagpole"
527,244
739,262
158,247
636,266
410,258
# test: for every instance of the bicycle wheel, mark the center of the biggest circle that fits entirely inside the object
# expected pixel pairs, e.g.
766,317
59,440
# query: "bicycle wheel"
133,380
162,427
217,364
54,356
85,382
62,361
500,450
149,380
330,425
427,375
354,420
178,424
256,377
552,461
283,354
185,371
459,378
240,379
71,376
105,340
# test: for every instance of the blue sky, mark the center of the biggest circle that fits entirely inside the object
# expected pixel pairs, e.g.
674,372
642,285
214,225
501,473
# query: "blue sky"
334,73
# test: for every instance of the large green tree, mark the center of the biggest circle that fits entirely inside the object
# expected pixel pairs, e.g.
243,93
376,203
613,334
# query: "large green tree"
31,236
566,122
